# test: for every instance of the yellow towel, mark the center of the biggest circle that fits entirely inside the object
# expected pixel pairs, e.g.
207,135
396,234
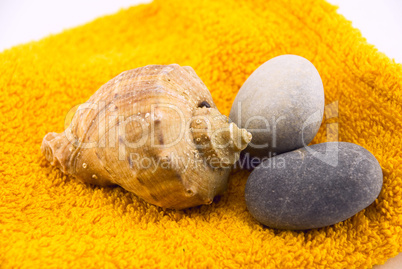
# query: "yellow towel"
50,220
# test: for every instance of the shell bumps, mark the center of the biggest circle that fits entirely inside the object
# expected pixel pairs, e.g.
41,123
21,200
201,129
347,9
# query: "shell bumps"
156,132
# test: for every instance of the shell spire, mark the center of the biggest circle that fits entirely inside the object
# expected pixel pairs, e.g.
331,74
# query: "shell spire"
219,141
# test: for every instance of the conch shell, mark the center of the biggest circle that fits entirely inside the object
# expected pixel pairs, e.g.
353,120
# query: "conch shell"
156,132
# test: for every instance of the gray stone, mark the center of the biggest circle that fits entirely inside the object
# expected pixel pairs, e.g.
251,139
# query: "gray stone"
314,186
281,104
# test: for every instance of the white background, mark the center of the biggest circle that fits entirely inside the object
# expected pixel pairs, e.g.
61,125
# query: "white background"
380,21
21,21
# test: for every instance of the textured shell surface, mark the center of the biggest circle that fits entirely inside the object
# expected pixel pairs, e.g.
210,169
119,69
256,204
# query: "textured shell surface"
154,131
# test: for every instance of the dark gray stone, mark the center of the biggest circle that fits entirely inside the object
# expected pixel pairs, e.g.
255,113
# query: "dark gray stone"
281,104
314,186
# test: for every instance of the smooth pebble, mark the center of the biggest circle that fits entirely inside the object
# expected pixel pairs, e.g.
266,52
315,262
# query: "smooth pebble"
314,186
281,104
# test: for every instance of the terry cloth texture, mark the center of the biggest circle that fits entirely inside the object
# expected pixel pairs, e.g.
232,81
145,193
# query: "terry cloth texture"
50,220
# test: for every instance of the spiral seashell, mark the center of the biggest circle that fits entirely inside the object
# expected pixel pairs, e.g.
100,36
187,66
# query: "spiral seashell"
156,132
